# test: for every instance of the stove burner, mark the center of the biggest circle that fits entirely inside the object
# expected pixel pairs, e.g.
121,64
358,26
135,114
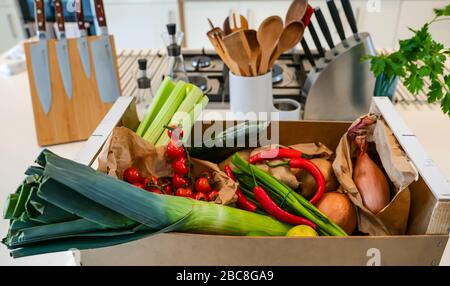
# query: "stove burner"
277,74
200,62
199,81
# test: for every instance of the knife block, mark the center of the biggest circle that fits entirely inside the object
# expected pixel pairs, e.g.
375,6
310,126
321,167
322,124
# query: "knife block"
68,120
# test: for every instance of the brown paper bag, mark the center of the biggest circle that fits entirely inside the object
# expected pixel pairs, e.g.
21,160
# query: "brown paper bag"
284,173
125,149
393,219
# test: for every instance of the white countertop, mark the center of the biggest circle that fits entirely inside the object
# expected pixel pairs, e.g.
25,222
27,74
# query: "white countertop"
19,148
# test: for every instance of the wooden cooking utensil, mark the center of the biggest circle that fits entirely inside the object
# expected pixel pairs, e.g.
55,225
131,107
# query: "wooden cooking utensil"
291,35
215,37
296,11
255,50
229,28
268,34
239,50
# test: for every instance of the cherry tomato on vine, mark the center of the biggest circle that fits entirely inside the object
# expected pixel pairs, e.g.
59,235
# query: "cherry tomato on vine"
132,175
213,195
201,197
202,185
150,181
179,182
184,192
181,167
176,131
174,151
139,185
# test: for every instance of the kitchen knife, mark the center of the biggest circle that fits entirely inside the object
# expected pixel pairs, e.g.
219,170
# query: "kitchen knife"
102,56
308,54
316,40
82,42
337,21
350,17
39,59
325,30
62,50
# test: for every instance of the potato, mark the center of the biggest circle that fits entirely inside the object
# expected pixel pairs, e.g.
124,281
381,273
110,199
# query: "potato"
309,184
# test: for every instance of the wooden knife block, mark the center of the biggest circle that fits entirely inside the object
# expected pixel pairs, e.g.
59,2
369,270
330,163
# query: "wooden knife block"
68,120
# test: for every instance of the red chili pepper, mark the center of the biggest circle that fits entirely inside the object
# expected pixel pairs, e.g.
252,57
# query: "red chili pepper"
309,166
271,207
275,153
242,201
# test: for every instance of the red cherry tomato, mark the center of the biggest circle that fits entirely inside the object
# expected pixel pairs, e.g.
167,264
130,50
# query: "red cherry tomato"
180,167
176,131
202,185
179,182
139,185
207,175
184,192
150,181
167,189
213,195
156,191
201,197
174,151
132,175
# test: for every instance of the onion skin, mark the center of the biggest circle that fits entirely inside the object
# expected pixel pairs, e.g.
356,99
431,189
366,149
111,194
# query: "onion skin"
371,183
339,209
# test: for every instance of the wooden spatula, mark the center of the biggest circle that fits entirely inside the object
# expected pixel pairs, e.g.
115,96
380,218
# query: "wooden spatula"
215,37
239,50
229,28
255,50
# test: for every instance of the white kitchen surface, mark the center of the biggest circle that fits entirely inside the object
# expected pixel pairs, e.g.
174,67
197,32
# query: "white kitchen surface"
18,148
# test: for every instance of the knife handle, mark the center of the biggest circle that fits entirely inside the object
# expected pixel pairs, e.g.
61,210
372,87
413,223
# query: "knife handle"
100,13
316,40
350,16
80,14
59,15
324,27
308,54
336,19
39,11
308,14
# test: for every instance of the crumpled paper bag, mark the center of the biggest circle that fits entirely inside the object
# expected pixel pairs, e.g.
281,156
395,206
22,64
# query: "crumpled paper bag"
284,173
124,149
393,219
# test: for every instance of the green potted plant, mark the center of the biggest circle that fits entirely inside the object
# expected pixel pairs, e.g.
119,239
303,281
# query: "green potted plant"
419,60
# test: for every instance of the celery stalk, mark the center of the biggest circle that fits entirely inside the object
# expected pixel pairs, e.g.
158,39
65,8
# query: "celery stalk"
164,115
182,117
164,91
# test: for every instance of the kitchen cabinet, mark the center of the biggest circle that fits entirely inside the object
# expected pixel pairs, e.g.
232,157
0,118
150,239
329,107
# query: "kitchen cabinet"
139,23
11,31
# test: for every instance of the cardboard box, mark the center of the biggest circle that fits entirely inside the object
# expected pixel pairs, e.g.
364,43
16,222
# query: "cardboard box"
424,243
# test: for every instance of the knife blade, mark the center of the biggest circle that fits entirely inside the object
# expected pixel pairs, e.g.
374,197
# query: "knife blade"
102,56
325,30
350,17
39,59
62,50
337,21
82,42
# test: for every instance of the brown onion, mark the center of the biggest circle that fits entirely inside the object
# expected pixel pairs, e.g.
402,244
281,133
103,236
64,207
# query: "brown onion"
371,182
339,209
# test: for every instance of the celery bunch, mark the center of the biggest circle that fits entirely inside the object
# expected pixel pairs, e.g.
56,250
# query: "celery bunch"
174,104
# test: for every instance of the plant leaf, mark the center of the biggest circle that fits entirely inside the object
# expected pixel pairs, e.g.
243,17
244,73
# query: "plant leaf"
435,92
442,12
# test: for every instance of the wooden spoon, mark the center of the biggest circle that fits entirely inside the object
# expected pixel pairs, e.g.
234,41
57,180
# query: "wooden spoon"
291,35
268,34
255,50
296,11
239,50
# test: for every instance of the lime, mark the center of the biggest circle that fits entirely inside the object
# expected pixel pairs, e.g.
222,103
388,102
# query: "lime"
302,230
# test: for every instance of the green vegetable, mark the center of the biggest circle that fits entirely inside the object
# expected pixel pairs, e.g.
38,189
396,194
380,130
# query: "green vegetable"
163,93
420,59
294,201
215,150
165,114
103,202
181,117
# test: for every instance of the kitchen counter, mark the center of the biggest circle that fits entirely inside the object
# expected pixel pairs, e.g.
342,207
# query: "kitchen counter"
18,148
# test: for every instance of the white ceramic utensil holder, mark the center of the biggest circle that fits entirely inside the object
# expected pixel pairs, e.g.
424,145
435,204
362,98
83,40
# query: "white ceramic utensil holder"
251,94
288,109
